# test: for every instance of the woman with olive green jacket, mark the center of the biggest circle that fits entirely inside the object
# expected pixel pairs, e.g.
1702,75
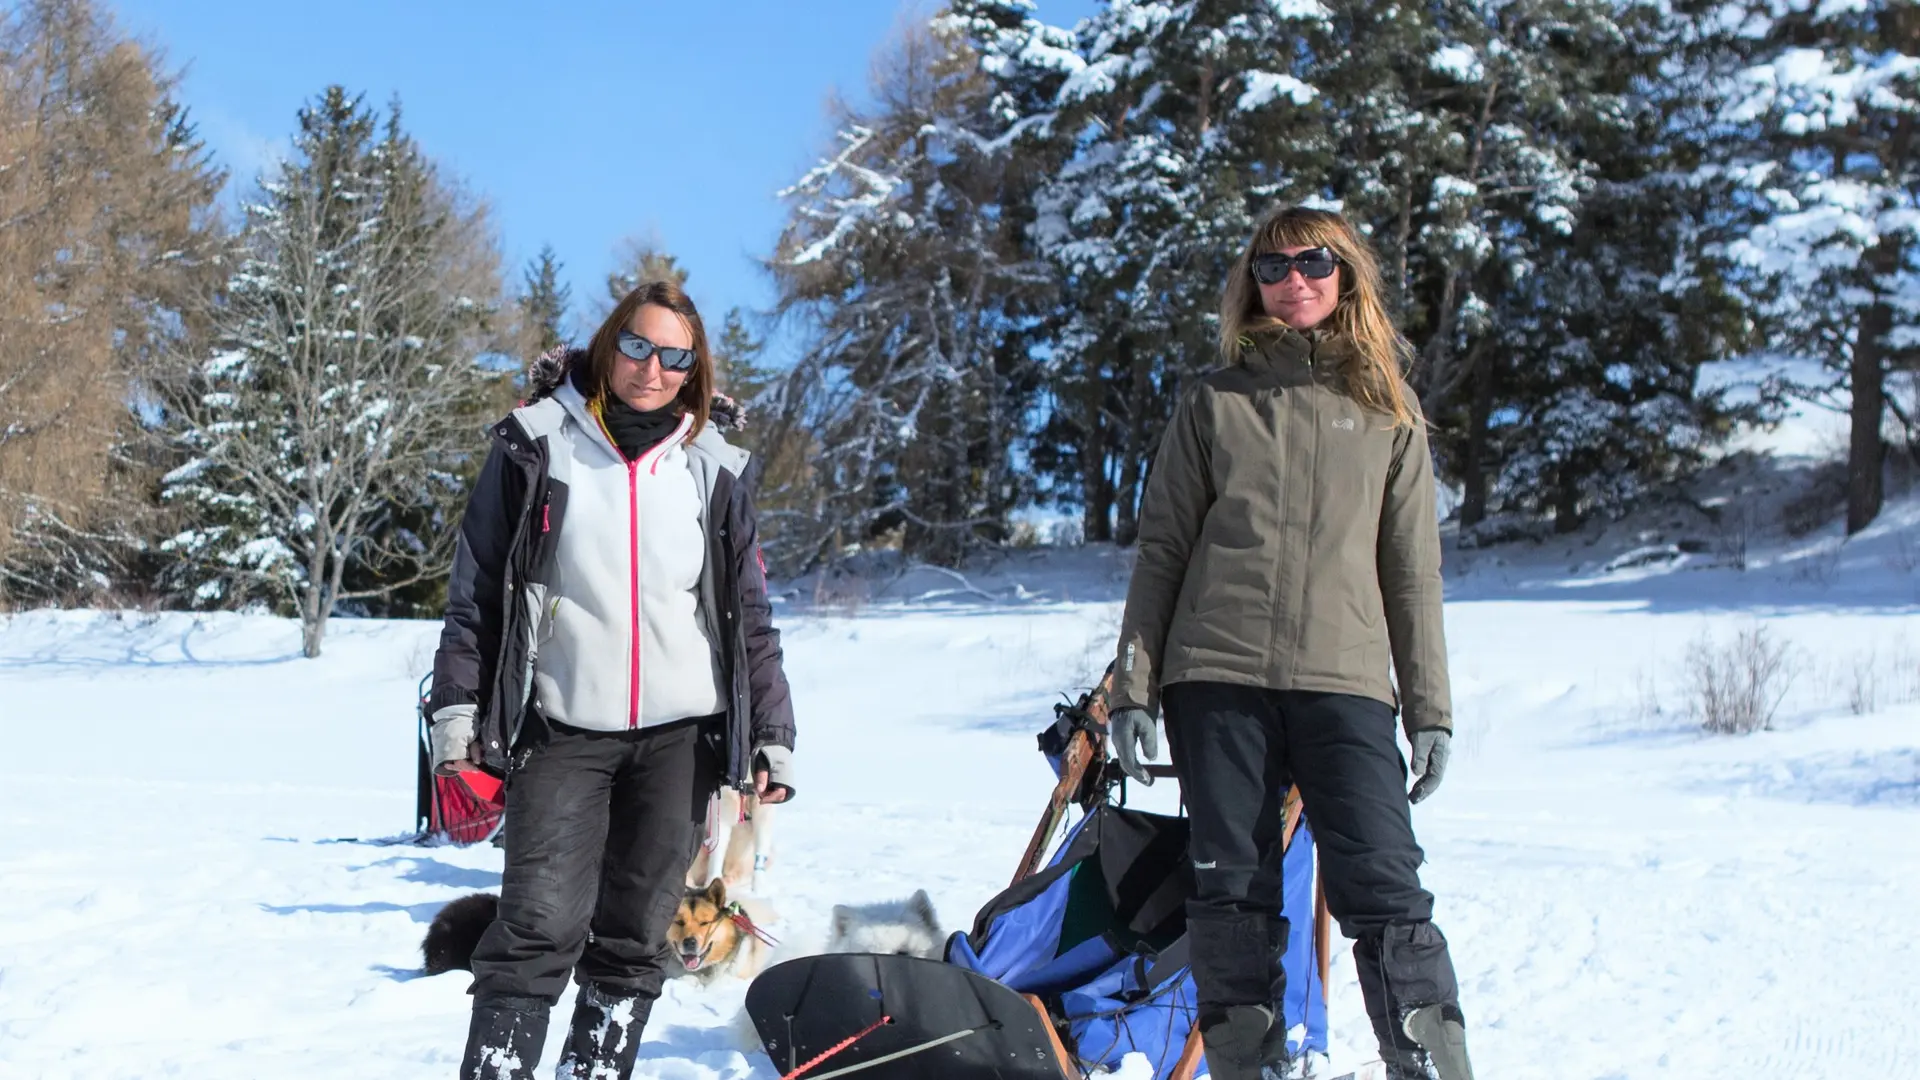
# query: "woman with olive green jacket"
1289,558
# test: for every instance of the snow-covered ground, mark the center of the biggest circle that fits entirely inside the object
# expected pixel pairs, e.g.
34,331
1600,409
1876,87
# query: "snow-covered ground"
1626,896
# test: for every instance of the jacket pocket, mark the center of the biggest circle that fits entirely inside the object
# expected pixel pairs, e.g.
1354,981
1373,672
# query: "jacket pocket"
544,534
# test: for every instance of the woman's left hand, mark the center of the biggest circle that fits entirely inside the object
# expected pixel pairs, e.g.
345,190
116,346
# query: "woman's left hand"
768,793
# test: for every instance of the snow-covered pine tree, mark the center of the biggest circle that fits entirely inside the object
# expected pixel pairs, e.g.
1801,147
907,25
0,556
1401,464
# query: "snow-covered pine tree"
1184,122
1511,162
1830,103
1566,329
324,432
900,263
1445,121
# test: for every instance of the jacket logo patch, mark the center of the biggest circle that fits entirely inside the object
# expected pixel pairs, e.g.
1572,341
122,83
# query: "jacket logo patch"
1345,423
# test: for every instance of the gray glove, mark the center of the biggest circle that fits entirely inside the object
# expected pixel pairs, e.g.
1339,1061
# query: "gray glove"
452,737
1125,728
1430,750
778,761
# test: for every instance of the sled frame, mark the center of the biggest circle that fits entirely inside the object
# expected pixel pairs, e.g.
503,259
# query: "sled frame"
1084,782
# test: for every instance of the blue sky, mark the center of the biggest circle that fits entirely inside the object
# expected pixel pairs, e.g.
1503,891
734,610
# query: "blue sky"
580,122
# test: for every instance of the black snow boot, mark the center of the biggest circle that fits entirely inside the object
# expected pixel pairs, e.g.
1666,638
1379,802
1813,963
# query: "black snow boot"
1241,1045
1438,1034
505,1038
1240,957
1407,980
604,1035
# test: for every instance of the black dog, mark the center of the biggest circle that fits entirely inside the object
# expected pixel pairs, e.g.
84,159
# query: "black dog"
455,932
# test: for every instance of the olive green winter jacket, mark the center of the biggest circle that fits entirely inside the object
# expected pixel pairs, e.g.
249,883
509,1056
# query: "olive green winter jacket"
1288,540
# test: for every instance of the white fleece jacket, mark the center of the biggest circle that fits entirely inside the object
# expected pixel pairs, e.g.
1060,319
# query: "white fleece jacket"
623,643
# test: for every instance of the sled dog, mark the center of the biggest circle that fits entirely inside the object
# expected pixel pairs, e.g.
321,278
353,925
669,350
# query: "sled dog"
907,927
713,936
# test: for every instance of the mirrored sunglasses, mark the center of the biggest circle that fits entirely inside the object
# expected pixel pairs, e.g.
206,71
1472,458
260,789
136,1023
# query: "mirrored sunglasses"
637,348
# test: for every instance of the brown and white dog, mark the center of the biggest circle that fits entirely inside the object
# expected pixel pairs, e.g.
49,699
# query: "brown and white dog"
740,829
711,936
714,937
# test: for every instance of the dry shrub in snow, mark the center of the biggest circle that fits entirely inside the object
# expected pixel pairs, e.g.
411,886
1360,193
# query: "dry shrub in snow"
1734,687
1881,673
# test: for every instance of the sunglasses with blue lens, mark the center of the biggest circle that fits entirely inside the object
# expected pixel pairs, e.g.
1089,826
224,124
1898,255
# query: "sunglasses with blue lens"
1313,263
634,347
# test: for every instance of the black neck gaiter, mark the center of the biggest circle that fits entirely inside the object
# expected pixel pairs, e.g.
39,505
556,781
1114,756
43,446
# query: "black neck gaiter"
634,432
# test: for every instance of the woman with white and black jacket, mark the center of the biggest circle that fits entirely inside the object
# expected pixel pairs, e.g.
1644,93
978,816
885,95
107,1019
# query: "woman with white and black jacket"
609,649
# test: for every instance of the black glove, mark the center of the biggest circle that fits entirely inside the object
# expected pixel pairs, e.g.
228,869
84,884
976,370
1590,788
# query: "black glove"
1430,750
1126,728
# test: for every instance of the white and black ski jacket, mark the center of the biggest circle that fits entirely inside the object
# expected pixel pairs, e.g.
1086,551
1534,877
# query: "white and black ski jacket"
512,593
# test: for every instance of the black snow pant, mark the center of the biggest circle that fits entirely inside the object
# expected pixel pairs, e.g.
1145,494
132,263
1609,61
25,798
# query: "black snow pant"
1237,749
601,829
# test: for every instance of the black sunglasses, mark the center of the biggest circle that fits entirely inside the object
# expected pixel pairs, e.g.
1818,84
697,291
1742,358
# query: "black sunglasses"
635,347
1313,263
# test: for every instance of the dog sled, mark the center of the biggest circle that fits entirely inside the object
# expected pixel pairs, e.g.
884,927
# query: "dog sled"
1079,963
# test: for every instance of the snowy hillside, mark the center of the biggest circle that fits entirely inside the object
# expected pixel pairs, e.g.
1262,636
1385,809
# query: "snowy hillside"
1627,898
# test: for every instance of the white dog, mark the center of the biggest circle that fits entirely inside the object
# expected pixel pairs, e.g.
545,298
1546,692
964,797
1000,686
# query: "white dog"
906,927
740,830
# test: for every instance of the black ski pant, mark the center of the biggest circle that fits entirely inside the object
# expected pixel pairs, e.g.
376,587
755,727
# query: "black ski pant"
600,831
1237,749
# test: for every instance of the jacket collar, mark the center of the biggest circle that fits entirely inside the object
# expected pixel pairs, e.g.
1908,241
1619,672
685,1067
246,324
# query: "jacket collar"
1289,352
710,443
553,370
715,445
570,399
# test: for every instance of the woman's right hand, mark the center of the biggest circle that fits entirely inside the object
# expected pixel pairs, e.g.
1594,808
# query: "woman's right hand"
1131,737
453,747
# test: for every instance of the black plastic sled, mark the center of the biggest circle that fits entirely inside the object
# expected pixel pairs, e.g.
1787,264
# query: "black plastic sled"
893,1017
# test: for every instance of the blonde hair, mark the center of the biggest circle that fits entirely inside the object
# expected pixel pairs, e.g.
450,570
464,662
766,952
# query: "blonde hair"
1380,355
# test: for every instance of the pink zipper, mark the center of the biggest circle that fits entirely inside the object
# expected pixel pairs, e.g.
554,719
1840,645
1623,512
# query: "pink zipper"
633,564
650,459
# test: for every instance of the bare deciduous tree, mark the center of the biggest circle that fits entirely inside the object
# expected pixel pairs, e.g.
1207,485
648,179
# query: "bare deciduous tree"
106,230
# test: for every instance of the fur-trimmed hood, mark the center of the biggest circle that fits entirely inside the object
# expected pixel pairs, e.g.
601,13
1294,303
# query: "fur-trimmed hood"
553,367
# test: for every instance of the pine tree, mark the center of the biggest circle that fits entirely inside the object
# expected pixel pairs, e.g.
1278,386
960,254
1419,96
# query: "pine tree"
543,303
1529,171
736,359
324,432
1515,165
1183,123
1603,340
898,257
1827,103
636,262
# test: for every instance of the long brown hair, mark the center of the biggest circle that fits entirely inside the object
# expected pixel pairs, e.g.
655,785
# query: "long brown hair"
1380,354
696,394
